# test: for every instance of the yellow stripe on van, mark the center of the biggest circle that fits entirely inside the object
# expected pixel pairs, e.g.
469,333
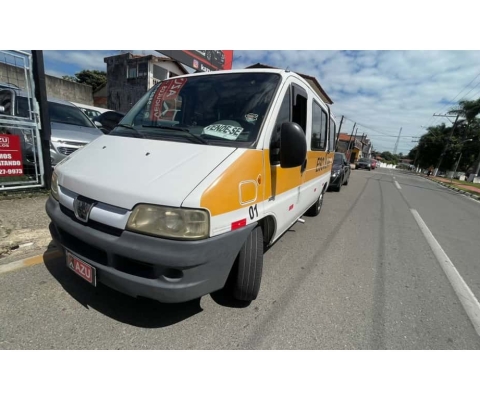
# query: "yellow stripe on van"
224,195
235,187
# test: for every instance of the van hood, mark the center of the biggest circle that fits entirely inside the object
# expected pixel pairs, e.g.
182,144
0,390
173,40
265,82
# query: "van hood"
74,133
124,171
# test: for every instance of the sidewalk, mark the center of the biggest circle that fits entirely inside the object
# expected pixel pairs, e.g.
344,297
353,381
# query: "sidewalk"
458,186
23,226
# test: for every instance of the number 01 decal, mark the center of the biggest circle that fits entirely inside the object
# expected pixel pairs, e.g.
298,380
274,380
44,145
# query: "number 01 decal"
253,211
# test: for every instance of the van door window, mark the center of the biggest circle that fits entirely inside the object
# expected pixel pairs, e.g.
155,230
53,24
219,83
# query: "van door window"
319,127
283,116
299,109
333,134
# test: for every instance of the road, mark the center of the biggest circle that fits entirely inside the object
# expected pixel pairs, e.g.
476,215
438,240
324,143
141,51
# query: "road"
361,275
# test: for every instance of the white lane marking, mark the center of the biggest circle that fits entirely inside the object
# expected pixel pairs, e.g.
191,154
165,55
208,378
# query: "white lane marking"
466,296
397,185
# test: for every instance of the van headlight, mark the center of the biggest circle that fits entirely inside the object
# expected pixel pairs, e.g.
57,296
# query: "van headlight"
54,186
168,222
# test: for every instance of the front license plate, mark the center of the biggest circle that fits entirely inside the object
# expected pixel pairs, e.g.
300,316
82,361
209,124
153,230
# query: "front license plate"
81,268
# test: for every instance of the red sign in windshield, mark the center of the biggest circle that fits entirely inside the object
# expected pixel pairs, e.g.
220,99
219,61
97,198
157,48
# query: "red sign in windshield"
164,102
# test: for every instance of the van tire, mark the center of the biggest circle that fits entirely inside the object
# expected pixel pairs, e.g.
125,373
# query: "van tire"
315,209
249,268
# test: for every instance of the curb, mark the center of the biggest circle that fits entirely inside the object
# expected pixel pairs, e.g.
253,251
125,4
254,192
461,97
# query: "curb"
468,194
31,261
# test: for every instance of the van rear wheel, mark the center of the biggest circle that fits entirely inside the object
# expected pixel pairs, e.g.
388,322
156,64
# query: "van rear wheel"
315,209
250,266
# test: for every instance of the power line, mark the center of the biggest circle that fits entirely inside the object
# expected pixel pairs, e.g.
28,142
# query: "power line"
451,101
367,127
475,95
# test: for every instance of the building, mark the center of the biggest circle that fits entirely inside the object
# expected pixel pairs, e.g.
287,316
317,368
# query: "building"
130,76
366,147
350,145
312,81
100,96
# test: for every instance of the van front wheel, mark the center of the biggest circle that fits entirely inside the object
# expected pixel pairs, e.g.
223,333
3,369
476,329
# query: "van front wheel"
249,268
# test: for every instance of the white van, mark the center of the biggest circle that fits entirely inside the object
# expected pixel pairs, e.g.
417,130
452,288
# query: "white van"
170,205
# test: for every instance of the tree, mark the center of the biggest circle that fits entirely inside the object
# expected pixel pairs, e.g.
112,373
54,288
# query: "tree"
389,157
469,129
438,140
431,145
94,78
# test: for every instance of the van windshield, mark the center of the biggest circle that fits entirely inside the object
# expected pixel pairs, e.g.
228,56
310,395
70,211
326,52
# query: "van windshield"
214,109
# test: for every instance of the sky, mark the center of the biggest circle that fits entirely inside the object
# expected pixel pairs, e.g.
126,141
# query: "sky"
382,91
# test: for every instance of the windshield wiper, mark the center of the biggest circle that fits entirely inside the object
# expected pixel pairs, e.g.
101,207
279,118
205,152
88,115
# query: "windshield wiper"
138,134
177,128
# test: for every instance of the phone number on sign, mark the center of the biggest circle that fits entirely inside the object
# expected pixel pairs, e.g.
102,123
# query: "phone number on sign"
11,172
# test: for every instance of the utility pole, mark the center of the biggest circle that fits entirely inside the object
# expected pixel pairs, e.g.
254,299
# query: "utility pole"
396,143
350,141
435,172
355,139
338,135
41,96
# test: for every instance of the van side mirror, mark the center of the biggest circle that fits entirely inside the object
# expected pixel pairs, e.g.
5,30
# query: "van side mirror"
293,145
97,124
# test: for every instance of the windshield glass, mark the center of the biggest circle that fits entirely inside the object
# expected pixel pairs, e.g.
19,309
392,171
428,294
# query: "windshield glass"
364,160
221,109
64,114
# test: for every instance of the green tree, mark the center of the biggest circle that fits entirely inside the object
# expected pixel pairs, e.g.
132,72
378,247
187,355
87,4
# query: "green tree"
94,78
439,139
469,128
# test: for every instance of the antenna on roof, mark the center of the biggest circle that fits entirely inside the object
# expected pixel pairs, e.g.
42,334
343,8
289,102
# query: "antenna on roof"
286,69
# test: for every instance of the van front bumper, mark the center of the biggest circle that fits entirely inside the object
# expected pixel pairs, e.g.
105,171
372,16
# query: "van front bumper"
169,271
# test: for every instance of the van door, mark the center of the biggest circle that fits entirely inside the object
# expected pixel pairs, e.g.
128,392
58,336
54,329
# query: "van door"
283,185
317,158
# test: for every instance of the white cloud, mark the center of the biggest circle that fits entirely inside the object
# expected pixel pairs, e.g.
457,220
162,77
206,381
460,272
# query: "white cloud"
385,90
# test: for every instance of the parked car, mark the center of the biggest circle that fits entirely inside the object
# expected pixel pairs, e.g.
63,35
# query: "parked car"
108,120
71,129
364,163
374,163
91,111
340,172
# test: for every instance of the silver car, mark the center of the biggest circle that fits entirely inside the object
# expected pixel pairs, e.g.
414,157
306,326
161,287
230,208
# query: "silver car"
71,129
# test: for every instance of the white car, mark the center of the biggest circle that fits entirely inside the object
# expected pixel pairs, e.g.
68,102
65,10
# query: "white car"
91,111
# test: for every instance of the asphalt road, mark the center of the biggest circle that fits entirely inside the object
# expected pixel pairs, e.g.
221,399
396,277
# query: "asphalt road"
361,275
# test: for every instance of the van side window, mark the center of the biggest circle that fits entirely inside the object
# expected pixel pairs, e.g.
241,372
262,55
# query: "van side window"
299,109
333,134
319,127
283,116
